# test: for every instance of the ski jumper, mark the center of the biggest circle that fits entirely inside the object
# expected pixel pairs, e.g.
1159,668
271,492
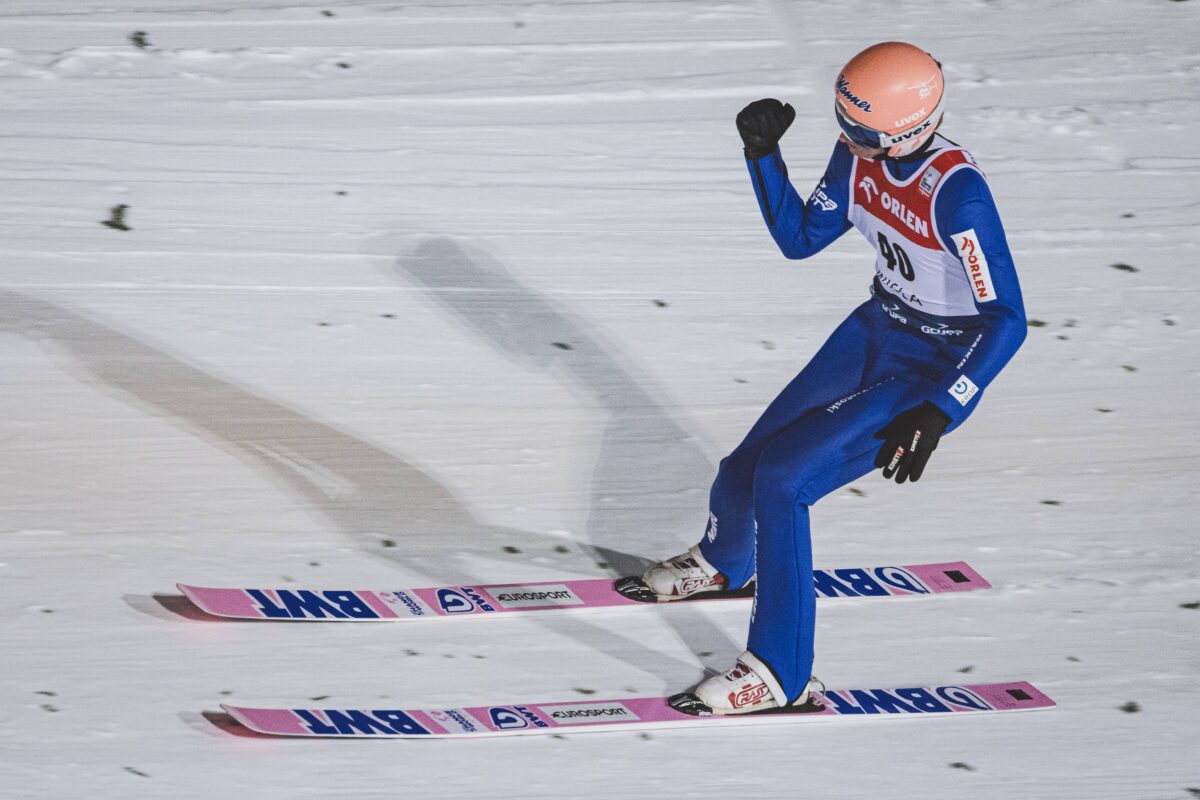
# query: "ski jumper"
944,318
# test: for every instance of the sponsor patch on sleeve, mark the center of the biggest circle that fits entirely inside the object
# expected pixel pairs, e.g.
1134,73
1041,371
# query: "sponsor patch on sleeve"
819,198
963,390
975,262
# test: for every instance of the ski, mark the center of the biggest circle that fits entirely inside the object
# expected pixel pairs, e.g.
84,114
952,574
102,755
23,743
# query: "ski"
635,713
394,605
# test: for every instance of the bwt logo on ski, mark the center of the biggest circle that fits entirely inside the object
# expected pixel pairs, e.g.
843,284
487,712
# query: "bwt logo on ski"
462,600
583,713
511,718
307,604
537,596
876,582
352,722
941,700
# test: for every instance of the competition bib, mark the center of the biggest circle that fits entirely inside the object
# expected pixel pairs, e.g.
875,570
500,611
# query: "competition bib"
896,217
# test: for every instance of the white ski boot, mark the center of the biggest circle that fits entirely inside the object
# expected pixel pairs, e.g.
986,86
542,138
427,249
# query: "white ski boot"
747,687
686,576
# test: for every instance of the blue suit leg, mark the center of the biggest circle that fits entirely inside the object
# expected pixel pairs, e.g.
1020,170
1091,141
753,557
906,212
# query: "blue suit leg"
799,466
835,371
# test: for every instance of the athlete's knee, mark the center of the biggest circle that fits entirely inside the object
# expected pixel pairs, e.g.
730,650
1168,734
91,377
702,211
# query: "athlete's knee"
779,478
737,468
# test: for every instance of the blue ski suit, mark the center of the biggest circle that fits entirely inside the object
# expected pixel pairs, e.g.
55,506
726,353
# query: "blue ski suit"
944,318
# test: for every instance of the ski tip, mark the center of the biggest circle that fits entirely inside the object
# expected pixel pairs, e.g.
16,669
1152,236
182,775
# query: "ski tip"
192,593
251,719
235,712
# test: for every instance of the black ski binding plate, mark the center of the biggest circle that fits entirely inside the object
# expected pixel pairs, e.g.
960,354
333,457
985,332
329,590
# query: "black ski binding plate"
688,703
635,588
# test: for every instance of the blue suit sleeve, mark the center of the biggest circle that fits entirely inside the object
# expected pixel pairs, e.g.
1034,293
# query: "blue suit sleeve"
964,204
800,228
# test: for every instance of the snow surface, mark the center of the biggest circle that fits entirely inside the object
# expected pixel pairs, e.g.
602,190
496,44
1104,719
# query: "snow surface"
438,292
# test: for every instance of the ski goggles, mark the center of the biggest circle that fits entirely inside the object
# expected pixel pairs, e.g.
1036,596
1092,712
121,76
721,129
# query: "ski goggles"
869,137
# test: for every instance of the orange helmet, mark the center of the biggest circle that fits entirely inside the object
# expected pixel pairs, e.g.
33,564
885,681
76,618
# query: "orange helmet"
890,96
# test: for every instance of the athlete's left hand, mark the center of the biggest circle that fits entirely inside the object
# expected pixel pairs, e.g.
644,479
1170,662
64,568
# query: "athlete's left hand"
909,440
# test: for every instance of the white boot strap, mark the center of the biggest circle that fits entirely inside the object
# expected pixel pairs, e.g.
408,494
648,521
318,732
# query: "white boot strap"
763,671
708,568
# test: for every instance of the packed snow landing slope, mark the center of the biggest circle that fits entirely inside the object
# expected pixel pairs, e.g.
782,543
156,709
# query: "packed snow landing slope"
444,293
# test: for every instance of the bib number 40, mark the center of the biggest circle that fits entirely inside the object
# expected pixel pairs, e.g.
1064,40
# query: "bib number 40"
896,258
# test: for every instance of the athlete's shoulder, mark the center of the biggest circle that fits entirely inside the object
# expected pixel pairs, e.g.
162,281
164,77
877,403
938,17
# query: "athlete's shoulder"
957,175
941,143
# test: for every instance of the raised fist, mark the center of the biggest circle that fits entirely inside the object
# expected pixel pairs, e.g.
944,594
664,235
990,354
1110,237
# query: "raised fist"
762,124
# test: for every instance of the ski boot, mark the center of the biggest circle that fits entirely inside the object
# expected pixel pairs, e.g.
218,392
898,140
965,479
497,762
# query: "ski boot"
748,687
685,577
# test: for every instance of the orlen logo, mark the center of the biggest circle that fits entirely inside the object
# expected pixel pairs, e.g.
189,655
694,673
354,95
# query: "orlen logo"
463,600
514,718
971,253
867,184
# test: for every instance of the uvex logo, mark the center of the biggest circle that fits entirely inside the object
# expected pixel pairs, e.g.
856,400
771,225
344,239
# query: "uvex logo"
917,131
913,117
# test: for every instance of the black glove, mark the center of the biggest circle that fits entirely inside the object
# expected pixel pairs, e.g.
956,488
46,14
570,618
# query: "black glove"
909,440
762,124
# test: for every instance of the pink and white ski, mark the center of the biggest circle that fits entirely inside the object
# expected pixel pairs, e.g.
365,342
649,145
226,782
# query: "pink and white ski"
631,713
394,605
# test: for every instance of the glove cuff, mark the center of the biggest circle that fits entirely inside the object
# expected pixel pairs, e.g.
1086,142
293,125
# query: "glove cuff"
755,153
